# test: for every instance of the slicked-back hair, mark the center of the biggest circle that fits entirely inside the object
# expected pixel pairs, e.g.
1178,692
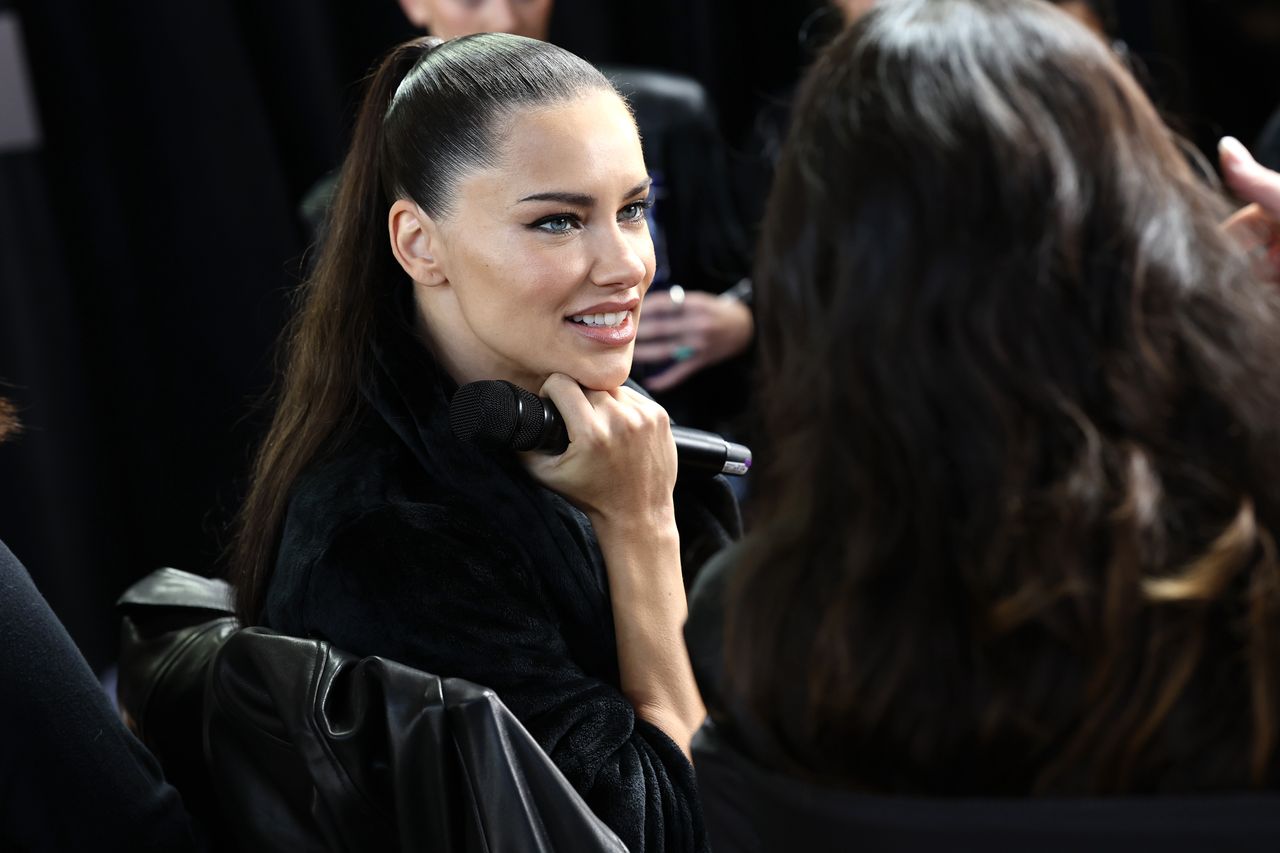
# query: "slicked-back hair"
432,110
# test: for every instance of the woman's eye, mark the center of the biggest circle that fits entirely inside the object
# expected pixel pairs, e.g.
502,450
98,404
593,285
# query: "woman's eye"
557,224
633,212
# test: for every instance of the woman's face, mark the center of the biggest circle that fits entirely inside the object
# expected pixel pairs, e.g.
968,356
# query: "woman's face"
452,18
543,260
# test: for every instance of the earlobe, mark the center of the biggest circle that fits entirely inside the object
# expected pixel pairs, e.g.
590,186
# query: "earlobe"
415,241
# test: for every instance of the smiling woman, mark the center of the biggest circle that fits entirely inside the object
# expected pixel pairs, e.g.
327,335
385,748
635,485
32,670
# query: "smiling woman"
490,224
555,230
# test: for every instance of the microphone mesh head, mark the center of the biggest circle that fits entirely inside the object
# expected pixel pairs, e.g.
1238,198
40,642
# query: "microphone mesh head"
484,413
530,422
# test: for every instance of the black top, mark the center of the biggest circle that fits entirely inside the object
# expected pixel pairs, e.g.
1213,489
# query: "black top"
753,803
409,545
72,777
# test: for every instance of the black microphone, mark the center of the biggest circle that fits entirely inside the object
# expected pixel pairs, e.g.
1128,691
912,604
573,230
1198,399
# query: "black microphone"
497,415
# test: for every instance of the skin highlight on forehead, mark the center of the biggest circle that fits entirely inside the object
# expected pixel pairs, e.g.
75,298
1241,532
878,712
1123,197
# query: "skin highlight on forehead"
549,150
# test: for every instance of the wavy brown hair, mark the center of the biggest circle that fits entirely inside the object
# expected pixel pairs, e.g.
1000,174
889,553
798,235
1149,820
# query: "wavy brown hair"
1022,400
9,425
431,111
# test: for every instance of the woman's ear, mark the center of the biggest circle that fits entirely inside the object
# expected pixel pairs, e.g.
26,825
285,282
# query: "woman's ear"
415,241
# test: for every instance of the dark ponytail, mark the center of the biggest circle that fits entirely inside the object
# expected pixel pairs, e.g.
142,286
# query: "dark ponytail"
431,111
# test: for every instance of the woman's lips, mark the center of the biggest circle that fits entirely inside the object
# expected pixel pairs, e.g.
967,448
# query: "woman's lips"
614,336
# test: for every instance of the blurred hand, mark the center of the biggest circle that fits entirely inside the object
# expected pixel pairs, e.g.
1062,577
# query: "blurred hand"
621,462
708,328
1257,226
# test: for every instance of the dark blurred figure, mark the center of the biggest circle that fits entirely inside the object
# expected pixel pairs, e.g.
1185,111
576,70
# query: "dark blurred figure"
185,133
1268,147
448,19
1017,527
72,777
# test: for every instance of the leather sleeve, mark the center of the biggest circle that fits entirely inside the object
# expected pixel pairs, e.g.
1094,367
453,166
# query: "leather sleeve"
423,585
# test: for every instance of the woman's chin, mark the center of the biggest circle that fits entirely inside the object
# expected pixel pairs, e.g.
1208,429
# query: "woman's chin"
603,377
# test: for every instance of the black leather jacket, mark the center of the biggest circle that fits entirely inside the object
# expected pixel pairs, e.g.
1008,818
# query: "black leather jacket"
302,747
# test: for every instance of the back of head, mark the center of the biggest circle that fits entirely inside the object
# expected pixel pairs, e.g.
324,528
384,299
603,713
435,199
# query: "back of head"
1021,397
432,111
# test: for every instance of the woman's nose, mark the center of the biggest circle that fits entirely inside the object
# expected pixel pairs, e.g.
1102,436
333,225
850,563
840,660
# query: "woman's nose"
621,258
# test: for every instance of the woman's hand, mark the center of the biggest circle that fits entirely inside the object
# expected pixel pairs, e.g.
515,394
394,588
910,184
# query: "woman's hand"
703,328
1257,226
620,469
621,461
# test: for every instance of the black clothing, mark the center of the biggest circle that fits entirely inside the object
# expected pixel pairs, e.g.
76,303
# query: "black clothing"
406,544
753,804
297,746
750,809
704,635
314,749
74,778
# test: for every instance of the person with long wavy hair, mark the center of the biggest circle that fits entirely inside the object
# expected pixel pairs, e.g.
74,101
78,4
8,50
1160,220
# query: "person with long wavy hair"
489,223
1016,532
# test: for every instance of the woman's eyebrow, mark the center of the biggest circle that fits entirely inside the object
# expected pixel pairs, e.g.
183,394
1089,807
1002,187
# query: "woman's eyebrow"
638,188
572,199
581,199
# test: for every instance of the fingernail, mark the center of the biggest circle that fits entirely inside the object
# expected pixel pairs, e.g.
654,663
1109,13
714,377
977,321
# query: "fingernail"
1234,153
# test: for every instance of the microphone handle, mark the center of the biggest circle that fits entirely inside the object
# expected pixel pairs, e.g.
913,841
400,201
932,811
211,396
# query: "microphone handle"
695,449
553,438
706,451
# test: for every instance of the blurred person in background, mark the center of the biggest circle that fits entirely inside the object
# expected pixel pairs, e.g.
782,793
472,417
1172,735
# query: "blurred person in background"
448,19
72,776
690,330
1017,525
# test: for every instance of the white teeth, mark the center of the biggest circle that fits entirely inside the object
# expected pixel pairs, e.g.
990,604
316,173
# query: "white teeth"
613,318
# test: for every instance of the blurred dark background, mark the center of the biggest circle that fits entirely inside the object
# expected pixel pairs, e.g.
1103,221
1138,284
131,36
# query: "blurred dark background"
149,234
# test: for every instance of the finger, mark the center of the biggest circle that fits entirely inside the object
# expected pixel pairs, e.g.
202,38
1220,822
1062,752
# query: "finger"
658,304
1247,178
1250,226
660,351
674,375
643,402
654,328
596,396
659,341
646,408
571,401
1258,234
651,353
